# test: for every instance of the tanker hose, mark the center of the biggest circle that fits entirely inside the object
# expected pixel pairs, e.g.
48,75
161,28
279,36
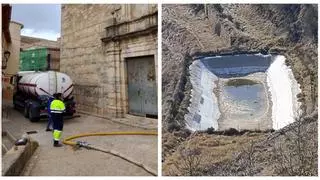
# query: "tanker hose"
68,141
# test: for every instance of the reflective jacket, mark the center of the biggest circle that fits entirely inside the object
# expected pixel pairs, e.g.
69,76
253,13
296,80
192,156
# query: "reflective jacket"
57,106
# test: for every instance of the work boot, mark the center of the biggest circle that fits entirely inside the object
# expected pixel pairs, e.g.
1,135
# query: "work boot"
56,144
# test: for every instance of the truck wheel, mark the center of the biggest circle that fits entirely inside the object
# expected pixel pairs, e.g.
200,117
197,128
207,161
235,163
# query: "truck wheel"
32,116
26,112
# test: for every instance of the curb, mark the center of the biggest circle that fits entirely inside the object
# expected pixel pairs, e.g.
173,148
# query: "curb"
14,161
117,121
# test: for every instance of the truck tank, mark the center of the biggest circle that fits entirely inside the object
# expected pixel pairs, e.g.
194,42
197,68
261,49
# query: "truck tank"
45,83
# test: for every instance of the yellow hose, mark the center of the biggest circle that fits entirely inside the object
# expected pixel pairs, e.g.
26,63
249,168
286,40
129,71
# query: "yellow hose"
71,143
68,141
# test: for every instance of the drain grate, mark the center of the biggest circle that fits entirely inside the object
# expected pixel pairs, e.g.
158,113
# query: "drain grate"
31,132
152,116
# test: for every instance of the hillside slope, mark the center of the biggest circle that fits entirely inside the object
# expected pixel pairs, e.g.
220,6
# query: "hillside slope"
193,30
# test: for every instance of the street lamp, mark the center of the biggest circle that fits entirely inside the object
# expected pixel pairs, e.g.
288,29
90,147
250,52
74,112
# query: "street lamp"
6,55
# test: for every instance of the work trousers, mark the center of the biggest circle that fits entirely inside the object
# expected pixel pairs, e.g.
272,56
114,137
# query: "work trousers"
57,119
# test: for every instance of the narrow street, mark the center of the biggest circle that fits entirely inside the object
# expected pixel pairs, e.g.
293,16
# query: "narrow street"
65,161
61,58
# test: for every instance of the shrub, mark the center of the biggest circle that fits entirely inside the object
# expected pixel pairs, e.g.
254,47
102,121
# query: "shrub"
190,162
237,24
217,29
218,7
230,18
210,130
173,126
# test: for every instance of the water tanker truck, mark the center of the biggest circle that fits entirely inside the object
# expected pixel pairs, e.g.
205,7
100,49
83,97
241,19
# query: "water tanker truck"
34,89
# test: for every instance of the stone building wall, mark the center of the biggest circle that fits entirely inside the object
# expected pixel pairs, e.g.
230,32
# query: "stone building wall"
95,42
13,62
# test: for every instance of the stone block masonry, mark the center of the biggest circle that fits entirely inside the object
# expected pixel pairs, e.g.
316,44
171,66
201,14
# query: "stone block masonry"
95,42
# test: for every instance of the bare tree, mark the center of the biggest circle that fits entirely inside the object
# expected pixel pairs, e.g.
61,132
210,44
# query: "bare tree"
190,162
297,154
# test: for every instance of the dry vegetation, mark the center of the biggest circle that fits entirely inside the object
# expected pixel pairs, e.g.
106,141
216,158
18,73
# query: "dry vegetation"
290,30
205,150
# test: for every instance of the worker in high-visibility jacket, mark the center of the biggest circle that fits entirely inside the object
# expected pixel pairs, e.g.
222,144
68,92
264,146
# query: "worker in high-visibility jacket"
57,108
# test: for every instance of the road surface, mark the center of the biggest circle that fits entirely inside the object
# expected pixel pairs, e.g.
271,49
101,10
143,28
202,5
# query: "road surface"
64,161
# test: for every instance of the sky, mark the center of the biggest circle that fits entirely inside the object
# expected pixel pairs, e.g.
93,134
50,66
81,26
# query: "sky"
39,20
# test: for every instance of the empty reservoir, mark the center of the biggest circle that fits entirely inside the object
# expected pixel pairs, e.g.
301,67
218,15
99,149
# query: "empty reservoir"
255,92
248,97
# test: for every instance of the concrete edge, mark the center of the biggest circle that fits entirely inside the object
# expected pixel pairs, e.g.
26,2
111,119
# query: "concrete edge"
10,136
116,121
14,161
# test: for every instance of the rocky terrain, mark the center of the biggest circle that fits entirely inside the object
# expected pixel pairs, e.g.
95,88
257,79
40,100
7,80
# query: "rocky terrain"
189,31
29,42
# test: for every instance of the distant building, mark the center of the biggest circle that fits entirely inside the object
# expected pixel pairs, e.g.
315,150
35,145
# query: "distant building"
52,49
110,52
10,50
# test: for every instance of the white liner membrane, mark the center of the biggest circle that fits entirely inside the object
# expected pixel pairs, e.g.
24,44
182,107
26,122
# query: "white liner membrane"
204,109
284,89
